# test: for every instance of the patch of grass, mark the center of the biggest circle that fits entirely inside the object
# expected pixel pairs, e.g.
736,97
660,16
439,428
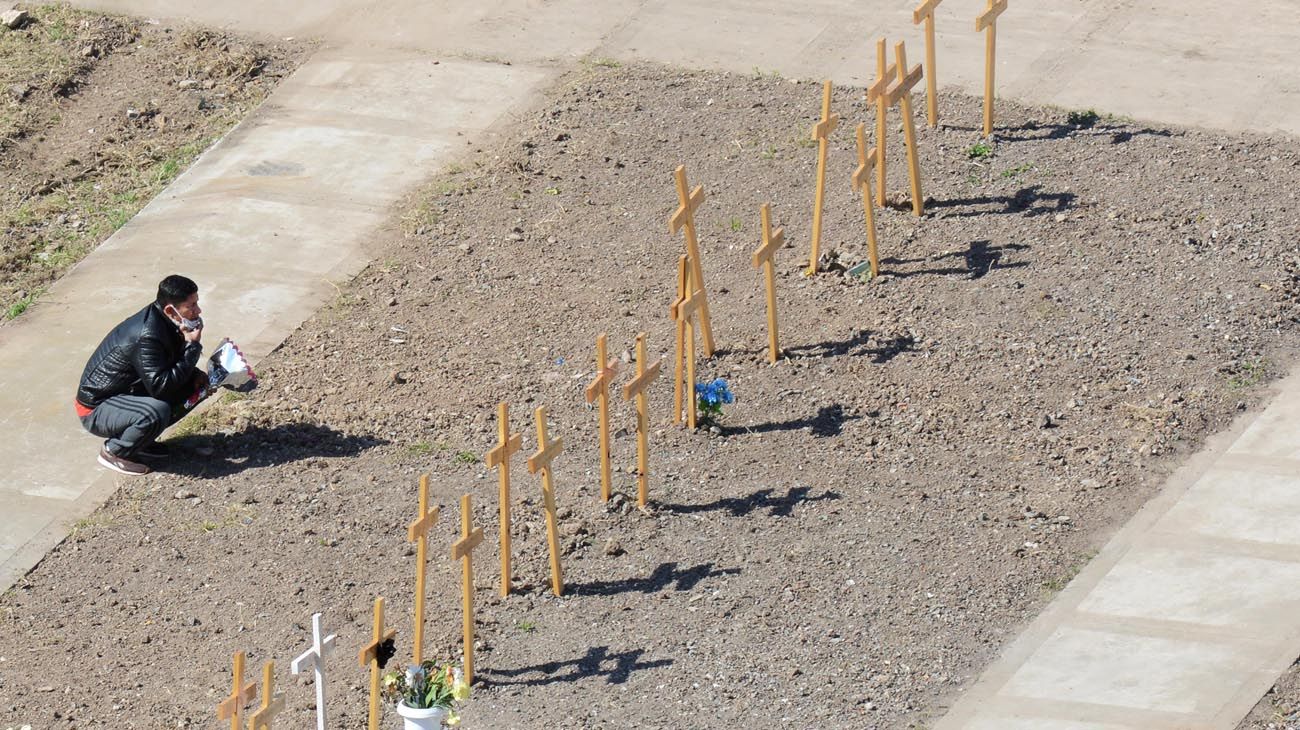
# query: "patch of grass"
603,62
1249,374
552,191
1017,170
527,627
769,153
90,522
466,457
16,309
209,526
761,74
736,225
1083,119
420,448
979,151
1058,584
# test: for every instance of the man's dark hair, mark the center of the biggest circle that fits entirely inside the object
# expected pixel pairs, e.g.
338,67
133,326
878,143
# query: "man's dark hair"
175,289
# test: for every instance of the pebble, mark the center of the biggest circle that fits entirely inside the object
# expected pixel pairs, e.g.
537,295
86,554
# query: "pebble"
14,19
185,494
613,547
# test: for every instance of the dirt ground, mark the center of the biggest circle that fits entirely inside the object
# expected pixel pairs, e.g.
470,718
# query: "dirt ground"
938,453
97,115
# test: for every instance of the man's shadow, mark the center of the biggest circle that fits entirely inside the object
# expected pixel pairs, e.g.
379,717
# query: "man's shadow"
1029,201
665,576
763,499
976,261
211,456
597,662
857,345
828,421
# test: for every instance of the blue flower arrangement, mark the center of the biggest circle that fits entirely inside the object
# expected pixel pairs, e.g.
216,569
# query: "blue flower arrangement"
710,397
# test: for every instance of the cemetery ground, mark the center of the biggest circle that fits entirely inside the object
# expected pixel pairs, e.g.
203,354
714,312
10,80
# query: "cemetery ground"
937,453
100,113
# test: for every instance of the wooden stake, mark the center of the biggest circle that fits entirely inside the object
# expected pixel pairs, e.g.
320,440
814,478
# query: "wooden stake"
499,458
900,92
885,75
684,217
547,450
463,550
679,357
232,707
821,132
315,659
606,370
683,311
988,21
265,715
925,12
369,655
637,387
763,257
862,182
418,532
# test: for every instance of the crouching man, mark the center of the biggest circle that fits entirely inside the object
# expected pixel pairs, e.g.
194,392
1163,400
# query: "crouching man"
143,370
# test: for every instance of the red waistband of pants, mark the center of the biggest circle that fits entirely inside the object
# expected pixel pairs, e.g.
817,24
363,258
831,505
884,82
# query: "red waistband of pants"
82,411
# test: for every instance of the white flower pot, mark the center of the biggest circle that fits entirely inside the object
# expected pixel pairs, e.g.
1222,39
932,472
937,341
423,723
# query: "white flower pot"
421,719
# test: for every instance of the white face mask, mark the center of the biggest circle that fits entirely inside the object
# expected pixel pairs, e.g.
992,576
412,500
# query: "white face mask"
187,324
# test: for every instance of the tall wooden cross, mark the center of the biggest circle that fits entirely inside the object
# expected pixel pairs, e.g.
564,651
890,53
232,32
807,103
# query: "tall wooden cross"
679,364
315,659
821,133
370,655
499,458
463,550
862,182
925,12
636,388
541,461
262,718
232,707
988,22
900,92
683,312
763,257
418,533
684,218
598,390
885,75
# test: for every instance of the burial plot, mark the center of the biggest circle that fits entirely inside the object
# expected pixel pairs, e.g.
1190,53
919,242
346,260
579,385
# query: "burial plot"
418,533
314,658
763,258
598,391
684,218
463,550
900,92
821,132
370,656
988,23
925,13
263,717
637,389
541,461
499,458
862,183
232,707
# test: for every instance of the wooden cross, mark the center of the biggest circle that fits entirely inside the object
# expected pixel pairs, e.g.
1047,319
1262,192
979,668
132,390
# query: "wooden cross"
900,92
862,182
988,21
679,375
262,718
418,533
541,461
772,241
925,11
315,658
637,387
821,134
598,390
684,217
232,707
885,75
369,654
683,312
463,550
499,458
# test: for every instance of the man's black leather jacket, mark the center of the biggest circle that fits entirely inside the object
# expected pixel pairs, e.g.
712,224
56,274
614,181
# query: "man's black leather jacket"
145,355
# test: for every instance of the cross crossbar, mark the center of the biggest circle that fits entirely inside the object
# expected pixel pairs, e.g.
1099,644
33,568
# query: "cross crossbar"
924,10
544,456
603,379
500,453
989,17
882,84
903,85
466,545
637,385
686,210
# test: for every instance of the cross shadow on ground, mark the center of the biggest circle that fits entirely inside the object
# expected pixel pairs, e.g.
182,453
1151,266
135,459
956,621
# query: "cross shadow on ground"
1036,131
782,506
212,456
597,662
829,421
665,576
857,345
977,260
1030,201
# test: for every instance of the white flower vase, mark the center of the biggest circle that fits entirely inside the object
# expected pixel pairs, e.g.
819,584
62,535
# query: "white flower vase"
421,718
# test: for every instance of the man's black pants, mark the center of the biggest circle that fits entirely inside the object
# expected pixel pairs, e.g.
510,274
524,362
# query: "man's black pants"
128,422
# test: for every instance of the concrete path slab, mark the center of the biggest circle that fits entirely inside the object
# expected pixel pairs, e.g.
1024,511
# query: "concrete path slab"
1186,618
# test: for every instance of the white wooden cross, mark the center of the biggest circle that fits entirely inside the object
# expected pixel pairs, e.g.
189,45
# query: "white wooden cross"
314,658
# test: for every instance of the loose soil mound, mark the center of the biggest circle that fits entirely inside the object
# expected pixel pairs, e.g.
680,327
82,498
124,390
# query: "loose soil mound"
938,453
99,113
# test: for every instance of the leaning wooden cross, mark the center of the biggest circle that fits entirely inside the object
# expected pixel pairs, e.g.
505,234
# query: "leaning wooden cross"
679,373
683,312
598,390
988,21
418,533
315,659
821,133
636,388
763,257
463,550
862,183
684,218
900,92
232,707
547,450
262,718
885,75
369,655
499,458
925,12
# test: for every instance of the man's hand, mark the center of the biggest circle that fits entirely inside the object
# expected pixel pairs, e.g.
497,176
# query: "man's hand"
201,379
193,335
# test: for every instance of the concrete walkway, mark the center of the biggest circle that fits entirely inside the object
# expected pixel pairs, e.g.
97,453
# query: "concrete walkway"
287,202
